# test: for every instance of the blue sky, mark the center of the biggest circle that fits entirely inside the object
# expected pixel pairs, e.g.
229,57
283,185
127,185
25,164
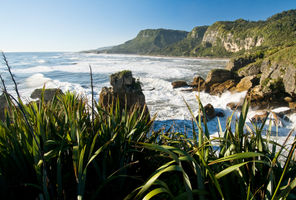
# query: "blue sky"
73,25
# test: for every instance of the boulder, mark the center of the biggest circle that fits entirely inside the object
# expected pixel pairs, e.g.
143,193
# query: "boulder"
219,88
48,93
219,113
197,81
288,99
126,89
211,113
292,105
258,98
219,76
247,83
234,105
261,99
178,84
259,118
200,88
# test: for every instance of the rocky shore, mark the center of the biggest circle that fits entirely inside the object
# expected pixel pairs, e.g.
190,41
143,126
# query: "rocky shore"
267,83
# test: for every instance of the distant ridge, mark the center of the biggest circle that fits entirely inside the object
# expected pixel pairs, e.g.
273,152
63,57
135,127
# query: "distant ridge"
221,39
150,41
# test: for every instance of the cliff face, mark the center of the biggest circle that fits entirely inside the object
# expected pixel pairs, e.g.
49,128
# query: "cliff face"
276,70
240,36
221,39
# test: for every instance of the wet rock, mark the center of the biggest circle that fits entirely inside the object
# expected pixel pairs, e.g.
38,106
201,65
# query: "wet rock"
178,84
219,113
292,105
247,83
288,99
200,88
126,89
197,81
278,120
48,93
209,112
259,118
219,88
219,76
234,105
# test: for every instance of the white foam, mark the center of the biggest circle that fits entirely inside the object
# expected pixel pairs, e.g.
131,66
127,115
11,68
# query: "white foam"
36,80
156,74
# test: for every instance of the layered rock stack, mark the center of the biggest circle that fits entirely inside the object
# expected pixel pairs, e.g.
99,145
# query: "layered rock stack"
126,89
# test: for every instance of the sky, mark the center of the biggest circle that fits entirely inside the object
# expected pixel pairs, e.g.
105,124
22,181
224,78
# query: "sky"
75,25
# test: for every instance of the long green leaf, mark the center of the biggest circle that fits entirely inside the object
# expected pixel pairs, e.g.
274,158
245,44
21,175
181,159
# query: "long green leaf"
237,156
155,192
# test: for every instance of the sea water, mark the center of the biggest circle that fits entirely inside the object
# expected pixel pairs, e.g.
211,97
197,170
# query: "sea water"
70,71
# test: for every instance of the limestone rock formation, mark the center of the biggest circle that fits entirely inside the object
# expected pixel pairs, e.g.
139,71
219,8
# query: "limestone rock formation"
218,76
235,105
251,69
197,81
178,84
219,88
48,93
247,83
126,89
240,62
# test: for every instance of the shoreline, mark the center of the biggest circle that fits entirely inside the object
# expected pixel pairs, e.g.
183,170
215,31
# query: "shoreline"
162,56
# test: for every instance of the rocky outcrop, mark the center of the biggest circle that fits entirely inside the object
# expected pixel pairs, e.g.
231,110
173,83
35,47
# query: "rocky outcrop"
289,80
48,93
178,84
219,76
235,105
247,83
237,63
260,118
278,78
197,81
219,88
277,118
126,89
219,80
198,84
251,69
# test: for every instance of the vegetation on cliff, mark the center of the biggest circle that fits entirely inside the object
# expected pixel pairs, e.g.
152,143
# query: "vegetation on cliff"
149,41
221,39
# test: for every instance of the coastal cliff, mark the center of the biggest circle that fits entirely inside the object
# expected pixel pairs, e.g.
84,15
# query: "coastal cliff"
221,39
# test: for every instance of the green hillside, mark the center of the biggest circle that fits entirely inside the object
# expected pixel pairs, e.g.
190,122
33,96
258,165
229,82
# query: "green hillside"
150,41
221,39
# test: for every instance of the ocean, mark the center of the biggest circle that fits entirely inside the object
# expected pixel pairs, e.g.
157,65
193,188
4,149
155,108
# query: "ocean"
70,71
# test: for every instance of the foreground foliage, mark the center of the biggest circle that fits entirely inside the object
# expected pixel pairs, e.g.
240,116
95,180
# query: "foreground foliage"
64,149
